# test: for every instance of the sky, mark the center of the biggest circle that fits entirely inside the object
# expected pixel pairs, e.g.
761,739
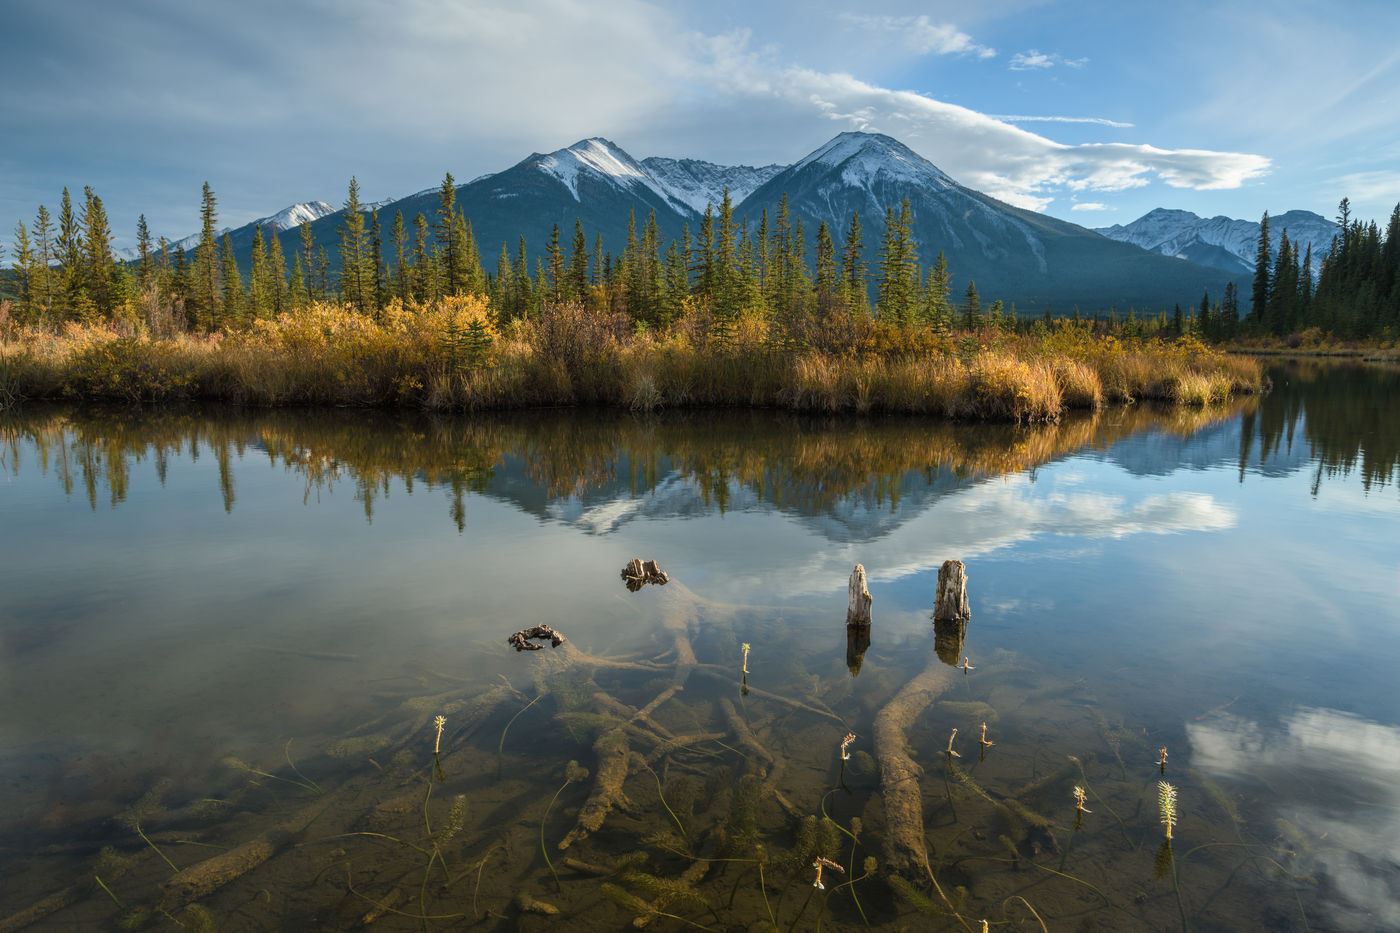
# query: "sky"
1091,112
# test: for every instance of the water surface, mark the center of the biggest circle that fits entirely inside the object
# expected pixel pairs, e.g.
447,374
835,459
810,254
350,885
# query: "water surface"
224,629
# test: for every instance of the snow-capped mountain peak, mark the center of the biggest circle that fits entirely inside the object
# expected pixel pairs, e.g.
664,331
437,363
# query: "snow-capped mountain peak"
864,158
599,157
1223,242
296,215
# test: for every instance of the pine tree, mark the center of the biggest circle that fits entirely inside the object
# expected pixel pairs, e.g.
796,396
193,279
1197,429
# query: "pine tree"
577,289
307,258
234,298
43,279
897,285
449,261
853,268
1262,284
145,269
399,237
260,291
203,304
828,273
99,275
555,253
24,271
378,290
938,311
972,307
356,278
427,283
277,269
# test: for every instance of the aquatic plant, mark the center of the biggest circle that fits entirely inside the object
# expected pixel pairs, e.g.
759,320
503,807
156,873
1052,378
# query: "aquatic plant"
986,742
745,648
950,744
823,863
1079,797
1166,803
440,721
846,746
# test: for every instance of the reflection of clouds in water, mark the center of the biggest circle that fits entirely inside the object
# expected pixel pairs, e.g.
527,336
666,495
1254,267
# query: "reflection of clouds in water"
978,520
1334,776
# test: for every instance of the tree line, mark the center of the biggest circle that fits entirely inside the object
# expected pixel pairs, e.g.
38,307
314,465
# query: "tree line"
1356,294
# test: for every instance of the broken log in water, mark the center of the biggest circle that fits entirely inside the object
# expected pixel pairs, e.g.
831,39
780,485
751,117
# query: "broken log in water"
521,640
638,572
950,605
905,849
858,611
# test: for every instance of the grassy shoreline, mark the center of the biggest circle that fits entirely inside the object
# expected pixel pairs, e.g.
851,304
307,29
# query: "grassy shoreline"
452,356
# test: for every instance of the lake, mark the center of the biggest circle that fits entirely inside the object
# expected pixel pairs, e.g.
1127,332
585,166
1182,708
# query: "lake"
226,637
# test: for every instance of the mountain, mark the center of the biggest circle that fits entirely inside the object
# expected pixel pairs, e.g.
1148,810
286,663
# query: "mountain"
1036,261
1019,256
1223,242
699,184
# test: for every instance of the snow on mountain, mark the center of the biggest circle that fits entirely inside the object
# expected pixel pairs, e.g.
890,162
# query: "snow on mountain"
700,184
296,215
1187,236
602,158
867,158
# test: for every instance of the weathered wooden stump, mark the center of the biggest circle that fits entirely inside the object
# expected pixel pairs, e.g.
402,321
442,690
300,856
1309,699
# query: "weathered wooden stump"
858,611
638,572
950,605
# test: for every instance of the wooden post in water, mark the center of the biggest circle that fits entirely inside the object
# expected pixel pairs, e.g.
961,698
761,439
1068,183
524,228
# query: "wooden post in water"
951,602
858,612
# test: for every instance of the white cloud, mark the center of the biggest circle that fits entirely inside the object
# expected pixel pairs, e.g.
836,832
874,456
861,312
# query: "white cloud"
1099,121
1367,186
1353,828
1090,206
1034,60
922,35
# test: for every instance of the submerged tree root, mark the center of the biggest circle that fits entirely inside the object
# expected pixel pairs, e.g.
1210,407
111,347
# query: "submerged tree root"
905,850
611,755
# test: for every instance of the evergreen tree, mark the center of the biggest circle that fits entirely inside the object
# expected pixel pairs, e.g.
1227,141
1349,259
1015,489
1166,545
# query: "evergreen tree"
1262,283
100,276
897,285
145,269
261,293
828,280
233,306
24,271
42,285
277,271
853,268
356,277
577,277
448,246
377,288
399,237
938,310
203,306
972,307
307,259
427,283
555,253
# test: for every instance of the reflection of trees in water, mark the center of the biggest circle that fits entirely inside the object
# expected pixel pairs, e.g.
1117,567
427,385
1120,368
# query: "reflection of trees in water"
1347,416
803,464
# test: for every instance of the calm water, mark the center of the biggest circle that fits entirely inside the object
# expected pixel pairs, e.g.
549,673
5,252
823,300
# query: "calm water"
224,638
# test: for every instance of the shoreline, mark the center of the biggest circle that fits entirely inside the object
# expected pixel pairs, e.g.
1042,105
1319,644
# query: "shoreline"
453,357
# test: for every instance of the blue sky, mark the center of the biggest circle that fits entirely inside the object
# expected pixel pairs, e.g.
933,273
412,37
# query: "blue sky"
1092,112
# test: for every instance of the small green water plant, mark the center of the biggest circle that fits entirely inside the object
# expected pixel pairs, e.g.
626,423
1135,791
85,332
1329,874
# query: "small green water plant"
1166,804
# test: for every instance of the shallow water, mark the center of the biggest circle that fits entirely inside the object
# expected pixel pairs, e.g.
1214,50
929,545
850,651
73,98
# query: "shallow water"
231,632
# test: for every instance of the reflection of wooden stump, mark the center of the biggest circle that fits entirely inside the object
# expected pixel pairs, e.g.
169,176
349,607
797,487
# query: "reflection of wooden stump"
857,640
858,612
951,602
948,640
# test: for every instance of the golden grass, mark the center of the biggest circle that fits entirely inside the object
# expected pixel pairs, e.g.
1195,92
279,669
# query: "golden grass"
452,356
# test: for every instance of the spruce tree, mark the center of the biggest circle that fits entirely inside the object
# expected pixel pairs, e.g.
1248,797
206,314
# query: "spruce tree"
356,277
897,285
24,271
972,307
145,269
938,311
377,288
1263,255
203,307
43,279
260,292
578,265
398,235
853,268
307,258
234,304
447,247
828,279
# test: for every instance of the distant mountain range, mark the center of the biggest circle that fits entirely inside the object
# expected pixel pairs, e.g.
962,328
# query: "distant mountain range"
1226,244
1035,261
